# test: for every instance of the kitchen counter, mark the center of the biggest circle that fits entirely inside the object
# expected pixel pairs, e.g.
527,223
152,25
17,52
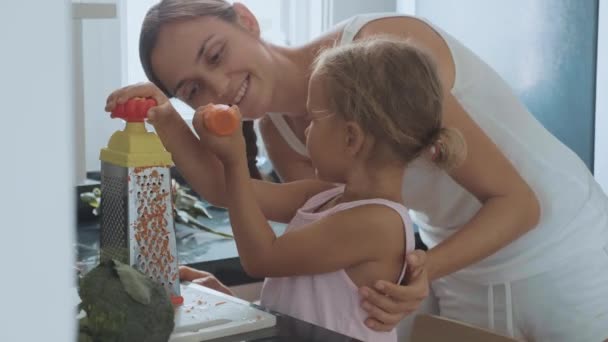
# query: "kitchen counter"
217,255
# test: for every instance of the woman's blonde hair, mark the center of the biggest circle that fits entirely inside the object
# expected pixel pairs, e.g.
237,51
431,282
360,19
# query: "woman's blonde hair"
392,90
167,11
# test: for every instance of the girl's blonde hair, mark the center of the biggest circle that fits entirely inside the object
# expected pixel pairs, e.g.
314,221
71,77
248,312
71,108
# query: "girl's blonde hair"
393,91
167,11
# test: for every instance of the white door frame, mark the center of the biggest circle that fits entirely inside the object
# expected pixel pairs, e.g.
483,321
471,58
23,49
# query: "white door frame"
601,99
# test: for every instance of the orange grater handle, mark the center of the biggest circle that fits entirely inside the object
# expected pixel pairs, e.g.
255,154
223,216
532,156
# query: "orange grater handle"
134,110
221,119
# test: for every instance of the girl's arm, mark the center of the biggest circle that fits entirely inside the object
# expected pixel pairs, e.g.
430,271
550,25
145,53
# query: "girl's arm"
335,242
205,173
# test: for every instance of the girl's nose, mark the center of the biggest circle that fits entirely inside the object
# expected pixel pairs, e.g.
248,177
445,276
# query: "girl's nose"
306,131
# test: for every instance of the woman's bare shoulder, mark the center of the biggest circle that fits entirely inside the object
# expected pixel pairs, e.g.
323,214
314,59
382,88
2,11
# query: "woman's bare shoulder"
421,34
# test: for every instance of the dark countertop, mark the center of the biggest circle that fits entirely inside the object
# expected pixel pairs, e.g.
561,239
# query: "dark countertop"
288,329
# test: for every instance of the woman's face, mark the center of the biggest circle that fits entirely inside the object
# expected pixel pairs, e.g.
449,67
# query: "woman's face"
207,59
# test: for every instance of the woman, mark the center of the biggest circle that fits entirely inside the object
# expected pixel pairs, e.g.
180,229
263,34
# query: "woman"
503,229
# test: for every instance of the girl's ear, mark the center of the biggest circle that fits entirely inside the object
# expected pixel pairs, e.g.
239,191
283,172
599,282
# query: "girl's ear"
355,139
246,19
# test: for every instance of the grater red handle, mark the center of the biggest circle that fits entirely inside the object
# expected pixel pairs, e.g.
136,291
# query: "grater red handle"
134,110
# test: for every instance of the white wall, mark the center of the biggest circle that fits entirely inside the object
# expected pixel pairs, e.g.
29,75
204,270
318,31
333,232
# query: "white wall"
102,65
601,104
131,17
344,9
36,201
406,6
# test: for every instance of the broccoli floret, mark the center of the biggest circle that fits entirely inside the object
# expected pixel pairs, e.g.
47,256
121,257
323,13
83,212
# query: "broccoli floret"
122,304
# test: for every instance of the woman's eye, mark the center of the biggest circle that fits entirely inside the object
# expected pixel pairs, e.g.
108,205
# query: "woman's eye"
193,91
216,57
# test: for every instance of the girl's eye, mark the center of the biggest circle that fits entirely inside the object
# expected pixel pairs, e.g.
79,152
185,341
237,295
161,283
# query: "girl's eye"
215,58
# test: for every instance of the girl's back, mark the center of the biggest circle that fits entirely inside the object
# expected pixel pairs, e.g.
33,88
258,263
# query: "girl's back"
330,299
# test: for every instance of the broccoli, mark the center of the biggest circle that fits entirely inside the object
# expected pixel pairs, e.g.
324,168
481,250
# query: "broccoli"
122,304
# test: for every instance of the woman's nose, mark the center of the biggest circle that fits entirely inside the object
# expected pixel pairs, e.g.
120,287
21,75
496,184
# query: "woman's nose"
220,85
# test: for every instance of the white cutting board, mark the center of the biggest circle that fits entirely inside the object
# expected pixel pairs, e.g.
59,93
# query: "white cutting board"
207,314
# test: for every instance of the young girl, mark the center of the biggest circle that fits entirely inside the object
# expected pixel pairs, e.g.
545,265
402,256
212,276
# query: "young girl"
364,130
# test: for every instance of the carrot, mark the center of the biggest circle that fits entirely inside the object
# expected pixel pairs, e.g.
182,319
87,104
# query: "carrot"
177,300
220,119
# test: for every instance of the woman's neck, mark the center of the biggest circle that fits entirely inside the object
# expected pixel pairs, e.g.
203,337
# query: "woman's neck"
292,73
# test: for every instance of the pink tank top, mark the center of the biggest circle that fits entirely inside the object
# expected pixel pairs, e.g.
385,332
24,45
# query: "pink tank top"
330,300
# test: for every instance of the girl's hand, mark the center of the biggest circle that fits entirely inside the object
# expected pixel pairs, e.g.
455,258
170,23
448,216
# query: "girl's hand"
219,129
144,89
389,303
202,278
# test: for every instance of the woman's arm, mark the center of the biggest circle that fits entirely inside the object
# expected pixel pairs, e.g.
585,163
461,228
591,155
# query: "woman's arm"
509,206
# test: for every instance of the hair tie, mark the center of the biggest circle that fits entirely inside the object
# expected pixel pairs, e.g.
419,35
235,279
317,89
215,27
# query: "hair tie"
435,150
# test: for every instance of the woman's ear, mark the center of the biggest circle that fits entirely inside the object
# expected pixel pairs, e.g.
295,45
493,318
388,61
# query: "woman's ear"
354,139
246,19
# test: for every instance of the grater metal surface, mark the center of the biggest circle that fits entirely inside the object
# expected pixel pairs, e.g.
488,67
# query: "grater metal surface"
114,234
152,232
137,225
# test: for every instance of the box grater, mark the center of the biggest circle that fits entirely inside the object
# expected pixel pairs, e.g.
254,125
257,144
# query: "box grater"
137,225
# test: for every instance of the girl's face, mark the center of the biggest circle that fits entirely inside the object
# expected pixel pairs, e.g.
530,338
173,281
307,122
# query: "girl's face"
207,59
325,136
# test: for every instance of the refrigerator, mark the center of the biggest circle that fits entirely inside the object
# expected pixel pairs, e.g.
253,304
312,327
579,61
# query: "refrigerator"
546,51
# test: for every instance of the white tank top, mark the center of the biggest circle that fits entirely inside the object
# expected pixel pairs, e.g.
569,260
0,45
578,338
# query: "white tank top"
574,208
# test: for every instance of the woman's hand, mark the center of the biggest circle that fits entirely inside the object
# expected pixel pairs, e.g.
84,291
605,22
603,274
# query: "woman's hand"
388,303
228,146
202,278
144,89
